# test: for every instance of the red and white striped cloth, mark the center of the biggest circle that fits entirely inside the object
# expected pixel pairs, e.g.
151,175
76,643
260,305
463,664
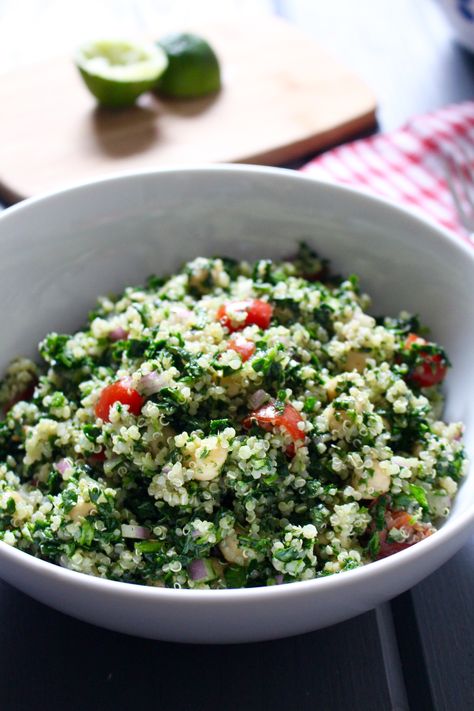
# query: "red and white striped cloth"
407,165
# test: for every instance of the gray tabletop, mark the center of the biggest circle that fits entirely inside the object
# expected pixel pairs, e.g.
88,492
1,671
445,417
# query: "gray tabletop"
415,653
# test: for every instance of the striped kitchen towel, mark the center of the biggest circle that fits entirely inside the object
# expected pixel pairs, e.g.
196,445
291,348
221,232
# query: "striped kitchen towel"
407,165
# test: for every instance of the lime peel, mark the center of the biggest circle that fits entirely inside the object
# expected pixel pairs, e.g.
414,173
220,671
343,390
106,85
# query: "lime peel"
117,72
193,67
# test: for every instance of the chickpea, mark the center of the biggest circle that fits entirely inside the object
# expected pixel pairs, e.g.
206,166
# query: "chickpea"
230,549
376,484
356,360
81,510
209,458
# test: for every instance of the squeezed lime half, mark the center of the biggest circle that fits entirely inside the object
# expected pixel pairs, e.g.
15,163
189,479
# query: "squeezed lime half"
193,67
116,72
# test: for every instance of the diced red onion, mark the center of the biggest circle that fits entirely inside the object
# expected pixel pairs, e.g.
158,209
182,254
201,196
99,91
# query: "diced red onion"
127,382
197,569
279,579
257,399
131,531
118,334
63,466
152,383
182,312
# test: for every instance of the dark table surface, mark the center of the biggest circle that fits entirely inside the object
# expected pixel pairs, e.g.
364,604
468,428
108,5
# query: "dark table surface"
416,652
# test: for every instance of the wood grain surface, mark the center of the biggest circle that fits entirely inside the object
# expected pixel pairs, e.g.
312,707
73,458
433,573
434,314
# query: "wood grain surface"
317,671
443,605
282,96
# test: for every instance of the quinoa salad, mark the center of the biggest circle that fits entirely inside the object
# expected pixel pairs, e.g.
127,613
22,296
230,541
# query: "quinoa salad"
234,425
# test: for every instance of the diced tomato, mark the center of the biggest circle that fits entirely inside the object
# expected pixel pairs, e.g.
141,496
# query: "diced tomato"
242,346
431,372
388,548
98,456
120,391
411,339
398,519
258,313
269,416
290,419
415,531
433,368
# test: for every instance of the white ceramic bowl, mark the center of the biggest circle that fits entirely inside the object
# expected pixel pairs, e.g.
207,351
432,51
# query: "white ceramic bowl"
460,15
60,251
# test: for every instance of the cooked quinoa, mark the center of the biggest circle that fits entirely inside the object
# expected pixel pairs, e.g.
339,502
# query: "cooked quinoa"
233,425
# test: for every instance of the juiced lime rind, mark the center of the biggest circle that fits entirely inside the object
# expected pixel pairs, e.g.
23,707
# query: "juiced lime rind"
117,94
117,72
193,67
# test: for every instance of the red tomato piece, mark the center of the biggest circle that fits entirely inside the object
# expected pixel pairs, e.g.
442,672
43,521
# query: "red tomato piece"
415,530
398,519
269,416
388,548
120,391
432,370
98,456
242,346
290,420
413,338
259,313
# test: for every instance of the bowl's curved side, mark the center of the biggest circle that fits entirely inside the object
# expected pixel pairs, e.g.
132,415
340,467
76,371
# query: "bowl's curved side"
461,18
70,246
227,616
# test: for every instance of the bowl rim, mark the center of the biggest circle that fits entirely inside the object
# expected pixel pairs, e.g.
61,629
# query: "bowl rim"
185,596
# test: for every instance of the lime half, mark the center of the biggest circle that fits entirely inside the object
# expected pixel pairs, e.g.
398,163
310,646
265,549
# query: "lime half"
116,72
193,68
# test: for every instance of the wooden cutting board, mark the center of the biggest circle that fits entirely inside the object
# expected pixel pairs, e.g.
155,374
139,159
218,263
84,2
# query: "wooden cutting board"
282,97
